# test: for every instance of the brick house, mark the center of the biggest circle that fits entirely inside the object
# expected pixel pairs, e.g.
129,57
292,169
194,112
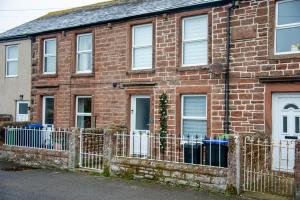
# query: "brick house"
106,65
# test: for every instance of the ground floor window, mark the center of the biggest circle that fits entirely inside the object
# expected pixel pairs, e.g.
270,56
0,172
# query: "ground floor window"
83,111
193,116
48,110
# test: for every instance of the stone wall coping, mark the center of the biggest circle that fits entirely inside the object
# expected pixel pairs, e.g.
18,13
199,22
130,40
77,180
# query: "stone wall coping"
24,150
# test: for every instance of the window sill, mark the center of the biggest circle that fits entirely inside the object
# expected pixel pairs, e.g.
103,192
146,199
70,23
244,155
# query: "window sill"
192,68
141,71
78,75
11,76
284,56
48,75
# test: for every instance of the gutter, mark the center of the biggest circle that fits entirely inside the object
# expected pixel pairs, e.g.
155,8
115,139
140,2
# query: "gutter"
174,10
227,70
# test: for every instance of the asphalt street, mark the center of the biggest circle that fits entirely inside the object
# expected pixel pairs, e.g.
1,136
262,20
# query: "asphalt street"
41,184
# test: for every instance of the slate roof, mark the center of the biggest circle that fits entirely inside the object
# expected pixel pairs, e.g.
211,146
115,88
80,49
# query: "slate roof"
109,12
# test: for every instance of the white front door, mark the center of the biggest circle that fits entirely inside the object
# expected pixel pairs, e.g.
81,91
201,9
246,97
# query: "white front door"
285,129
22,114
140,119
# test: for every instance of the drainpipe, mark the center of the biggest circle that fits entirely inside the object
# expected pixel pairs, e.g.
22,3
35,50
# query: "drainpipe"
227,77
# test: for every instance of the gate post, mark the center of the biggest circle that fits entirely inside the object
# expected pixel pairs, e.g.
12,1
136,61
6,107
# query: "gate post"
234,165
73,140
108,149
297,170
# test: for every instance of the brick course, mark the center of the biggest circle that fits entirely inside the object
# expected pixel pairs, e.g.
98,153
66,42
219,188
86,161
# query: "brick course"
251,58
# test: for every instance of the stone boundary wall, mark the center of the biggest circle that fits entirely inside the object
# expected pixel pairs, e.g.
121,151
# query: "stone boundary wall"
204,177
35,157
41,158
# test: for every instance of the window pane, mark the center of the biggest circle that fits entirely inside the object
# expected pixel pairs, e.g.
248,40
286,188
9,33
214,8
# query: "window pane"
142,58
49,111
142,35
50,63
194,128
12,68
285,124
195,53
195,27
12,52
288,40
84,105
142,113
50,46
84,42
297,124
23,108
84,121
288,12
194,106
84,62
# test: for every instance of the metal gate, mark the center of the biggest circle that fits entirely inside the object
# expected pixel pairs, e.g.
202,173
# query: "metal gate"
91,150
267,166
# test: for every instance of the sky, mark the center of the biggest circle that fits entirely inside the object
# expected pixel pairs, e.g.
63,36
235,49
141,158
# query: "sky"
16,12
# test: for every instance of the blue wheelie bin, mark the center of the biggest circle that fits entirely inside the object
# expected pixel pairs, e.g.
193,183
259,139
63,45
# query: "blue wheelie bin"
35,135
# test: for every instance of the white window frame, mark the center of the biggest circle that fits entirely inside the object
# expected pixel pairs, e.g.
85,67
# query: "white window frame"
7,60
140,46
44,107
49,55
84,51
280,27
192,40
191,117
82,114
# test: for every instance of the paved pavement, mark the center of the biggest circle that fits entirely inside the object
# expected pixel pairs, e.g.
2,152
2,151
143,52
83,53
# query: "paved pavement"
40,184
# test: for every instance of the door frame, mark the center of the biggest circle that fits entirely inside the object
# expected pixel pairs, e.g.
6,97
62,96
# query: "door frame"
274,109
17,107
44,108
133,110
276,138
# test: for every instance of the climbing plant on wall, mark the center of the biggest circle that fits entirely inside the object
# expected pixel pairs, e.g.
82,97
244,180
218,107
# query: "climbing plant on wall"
163,111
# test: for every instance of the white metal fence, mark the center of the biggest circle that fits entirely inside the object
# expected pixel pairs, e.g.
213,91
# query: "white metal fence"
91,150
51,139
268,166
191,150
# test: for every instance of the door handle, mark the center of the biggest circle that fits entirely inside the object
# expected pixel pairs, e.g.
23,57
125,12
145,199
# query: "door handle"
291,137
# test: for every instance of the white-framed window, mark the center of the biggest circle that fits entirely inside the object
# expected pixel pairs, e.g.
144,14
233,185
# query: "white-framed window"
142,51
12,60
84,57
48,110
83,111
194,40
193,116
49,63
287,29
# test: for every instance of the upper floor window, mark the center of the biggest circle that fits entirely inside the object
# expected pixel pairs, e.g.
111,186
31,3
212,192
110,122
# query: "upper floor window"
49,66
84,53
142,47
12,60
194,40
287,31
